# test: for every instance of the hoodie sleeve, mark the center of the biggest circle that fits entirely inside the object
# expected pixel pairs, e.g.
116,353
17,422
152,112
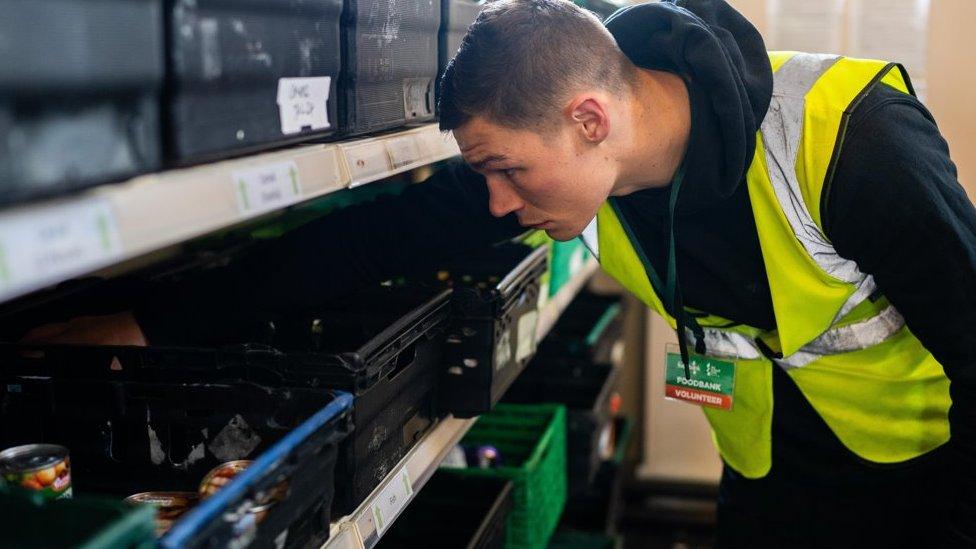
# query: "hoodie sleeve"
350,248
897,208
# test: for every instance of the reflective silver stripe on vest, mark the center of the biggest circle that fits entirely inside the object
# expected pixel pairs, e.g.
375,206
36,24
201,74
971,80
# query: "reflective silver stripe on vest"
781,132
842,339
846,339
591,239
725,344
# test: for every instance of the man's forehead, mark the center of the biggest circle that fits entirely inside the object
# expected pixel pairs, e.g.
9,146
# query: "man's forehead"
480,150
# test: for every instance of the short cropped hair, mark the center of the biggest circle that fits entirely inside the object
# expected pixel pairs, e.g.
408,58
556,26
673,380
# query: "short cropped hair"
522,59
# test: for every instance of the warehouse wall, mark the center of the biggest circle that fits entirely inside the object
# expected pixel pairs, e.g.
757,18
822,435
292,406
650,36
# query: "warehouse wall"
951,82
947,86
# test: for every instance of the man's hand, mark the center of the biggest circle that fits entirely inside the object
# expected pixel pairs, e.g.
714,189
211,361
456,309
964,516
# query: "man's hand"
117,329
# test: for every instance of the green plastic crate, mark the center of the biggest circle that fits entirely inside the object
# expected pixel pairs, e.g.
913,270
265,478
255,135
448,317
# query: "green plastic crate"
532,443
565,260
27,520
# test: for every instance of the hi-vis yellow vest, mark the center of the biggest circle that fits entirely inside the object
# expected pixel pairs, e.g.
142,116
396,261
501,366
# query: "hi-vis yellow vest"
849,352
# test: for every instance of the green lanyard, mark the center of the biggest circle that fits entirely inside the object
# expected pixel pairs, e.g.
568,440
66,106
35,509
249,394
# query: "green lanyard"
673,288
673,301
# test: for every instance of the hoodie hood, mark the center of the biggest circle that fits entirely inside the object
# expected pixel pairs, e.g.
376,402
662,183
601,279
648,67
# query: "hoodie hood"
723,56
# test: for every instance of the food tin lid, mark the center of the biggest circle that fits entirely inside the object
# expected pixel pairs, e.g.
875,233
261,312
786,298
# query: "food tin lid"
165,499
31,457
229,469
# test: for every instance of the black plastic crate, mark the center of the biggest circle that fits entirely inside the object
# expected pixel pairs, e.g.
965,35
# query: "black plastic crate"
389,63
456,17
598,506
304,459
586,389
384,345
246,75
396,395
127,435
492,332
457,511
80,83
588,328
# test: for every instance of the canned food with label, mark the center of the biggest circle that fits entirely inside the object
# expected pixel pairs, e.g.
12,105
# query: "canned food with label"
43,468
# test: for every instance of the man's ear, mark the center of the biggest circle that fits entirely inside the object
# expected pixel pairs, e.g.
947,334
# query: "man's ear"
590,118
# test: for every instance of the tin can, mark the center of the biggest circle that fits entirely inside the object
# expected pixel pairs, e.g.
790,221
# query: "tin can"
43,468
220,475
170,506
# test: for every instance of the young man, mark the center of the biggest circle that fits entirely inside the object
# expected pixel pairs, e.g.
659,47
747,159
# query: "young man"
796,215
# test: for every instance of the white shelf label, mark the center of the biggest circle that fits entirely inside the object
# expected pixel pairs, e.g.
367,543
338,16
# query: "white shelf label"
366,161
391,500
303,103
266,187
403,151
44,244
527,327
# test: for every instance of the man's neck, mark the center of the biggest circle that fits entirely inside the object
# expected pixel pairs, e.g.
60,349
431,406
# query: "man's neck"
660,129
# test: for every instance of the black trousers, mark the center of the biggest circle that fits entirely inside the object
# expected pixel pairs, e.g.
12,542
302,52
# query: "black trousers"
819,494
775,513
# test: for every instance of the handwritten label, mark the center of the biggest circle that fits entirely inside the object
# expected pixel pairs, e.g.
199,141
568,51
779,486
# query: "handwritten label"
266,187
527,326
366,161
403,151
44,244
577,260
303,103
503,350
391,501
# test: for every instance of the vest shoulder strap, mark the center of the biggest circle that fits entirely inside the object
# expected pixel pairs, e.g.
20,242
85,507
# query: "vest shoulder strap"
831,88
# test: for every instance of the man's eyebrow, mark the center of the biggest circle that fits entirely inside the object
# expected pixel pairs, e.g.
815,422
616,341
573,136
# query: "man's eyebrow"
480,164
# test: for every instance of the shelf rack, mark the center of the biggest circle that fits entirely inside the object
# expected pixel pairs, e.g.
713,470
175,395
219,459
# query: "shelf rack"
44,243
363,528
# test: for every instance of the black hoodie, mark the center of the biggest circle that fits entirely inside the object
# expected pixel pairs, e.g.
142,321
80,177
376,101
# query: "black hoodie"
895,207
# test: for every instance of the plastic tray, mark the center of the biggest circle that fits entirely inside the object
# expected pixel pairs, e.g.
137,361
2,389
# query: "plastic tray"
389,50
492,334
597,507
79,94
567,259
88,523
456,17
245,76
585,389
587,329
305,459
467,512
532,442
126,437
383,345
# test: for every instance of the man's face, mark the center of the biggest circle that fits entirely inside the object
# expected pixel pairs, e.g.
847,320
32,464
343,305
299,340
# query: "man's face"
551,182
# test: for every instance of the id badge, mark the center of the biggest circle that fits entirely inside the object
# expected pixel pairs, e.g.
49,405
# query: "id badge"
711,383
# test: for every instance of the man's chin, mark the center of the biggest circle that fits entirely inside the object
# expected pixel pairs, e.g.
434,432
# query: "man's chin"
562,234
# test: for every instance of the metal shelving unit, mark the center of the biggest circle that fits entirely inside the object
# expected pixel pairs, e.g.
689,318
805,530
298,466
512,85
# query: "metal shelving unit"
364,527
45,243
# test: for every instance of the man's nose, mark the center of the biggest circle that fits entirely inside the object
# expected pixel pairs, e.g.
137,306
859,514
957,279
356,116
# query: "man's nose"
502,199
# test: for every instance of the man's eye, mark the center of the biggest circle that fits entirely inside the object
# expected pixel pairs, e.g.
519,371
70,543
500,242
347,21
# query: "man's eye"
509,173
